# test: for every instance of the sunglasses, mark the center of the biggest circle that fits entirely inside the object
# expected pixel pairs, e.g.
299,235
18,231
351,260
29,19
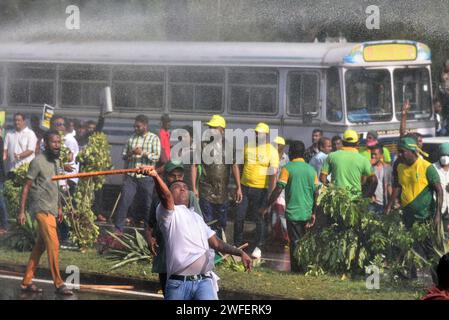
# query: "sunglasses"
59,124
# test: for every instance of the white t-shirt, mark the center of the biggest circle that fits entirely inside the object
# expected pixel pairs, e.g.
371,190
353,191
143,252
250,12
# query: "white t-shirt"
444,177
17,142
186,238
71,143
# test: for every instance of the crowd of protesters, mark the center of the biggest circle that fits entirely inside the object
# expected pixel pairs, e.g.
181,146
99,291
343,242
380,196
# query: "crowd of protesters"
277,182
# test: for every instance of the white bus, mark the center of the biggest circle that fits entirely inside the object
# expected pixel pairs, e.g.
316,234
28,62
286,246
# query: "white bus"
294,87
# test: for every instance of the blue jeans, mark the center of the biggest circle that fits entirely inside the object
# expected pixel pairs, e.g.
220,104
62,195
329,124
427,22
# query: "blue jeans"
190,290
212,211
3,211
253,200
132,185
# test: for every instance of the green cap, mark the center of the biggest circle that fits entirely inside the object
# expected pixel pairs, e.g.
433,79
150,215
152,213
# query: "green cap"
444,149
408,143
172,165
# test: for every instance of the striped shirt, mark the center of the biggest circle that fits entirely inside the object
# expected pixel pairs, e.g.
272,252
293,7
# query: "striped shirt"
151,151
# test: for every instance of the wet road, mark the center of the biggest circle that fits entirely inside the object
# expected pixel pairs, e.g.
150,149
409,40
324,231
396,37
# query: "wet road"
10,290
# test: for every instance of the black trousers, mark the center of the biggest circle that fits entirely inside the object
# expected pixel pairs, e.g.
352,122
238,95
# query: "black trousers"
296,230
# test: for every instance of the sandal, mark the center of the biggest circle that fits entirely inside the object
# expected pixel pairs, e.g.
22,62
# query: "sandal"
31,288
63,290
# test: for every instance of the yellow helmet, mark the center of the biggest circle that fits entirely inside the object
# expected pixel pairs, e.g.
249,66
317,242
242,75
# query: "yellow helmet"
280,140
350,136
262,128
217,121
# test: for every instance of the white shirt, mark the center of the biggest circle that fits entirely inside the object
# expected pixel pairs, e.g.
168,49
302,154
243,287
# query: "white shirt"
444,177
71,143
17,142
73,133
186,237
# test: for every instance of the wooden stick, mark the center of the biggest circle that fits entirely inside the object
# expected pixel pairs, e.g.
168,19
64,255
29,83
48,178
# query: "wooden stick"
94,174
98,286
115,206
243,246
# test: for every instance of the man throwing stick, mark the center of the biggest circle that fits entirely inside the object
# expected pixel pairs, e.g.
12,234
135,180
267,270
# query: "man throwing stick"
190,244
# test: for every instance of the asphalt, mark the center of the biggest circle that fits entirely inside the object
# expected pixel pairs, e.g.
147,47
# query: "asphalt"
10,290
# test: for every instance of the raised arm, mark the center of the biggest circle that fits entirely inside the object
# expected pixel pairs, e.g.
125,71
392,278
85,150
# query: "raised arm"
100,123
161,188
193,176
403,127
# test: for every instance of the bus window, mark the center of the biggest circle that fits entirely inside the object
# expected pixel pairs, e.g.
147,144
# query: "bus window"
138,88
334,110
303,92
83,85
413,85
196,89
253,91
31,84
368,95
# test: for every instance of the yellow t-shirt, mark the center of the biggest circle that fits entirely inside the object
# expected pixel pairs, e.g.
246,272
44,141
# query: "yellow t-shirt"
260,162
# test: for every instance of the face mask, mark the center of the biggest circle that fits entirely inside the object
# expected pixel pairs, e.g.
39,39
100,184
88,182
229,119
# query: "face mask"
444,160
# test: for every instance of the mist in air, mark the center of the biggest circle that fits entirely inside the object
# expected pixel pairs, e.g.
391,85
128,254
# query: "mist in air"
220,20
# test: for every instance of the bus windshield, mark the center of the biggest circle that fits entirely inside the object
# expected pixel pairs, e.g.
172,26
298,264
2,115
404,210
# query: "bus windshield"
368,95
413,85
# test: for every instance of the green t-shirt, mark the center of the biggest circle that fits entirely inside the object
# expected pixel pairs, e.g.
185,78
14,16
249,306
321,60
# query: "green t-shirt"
300,182
347,167
44,193
367,154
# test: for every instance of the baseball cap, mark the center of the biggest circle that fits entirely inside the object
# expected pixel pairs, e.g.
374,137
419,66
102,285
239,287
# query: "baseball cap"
350,136
280,140
172,165
262,128
217,121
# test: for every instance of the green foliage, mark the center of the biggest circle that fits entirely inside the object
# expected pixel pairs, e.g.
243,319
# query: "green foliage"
80,217
95,157
355,238
135,249
22,238
13,189
231,264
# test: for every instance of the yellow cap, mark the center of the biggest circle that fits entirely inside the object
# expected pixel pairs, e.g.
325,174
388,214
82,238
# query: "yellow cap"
280,140
350,136
217,121
262,128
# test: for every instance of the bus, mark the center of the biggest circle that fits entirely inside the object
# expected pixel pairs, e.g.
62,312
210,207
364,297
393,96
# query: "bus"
294,87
